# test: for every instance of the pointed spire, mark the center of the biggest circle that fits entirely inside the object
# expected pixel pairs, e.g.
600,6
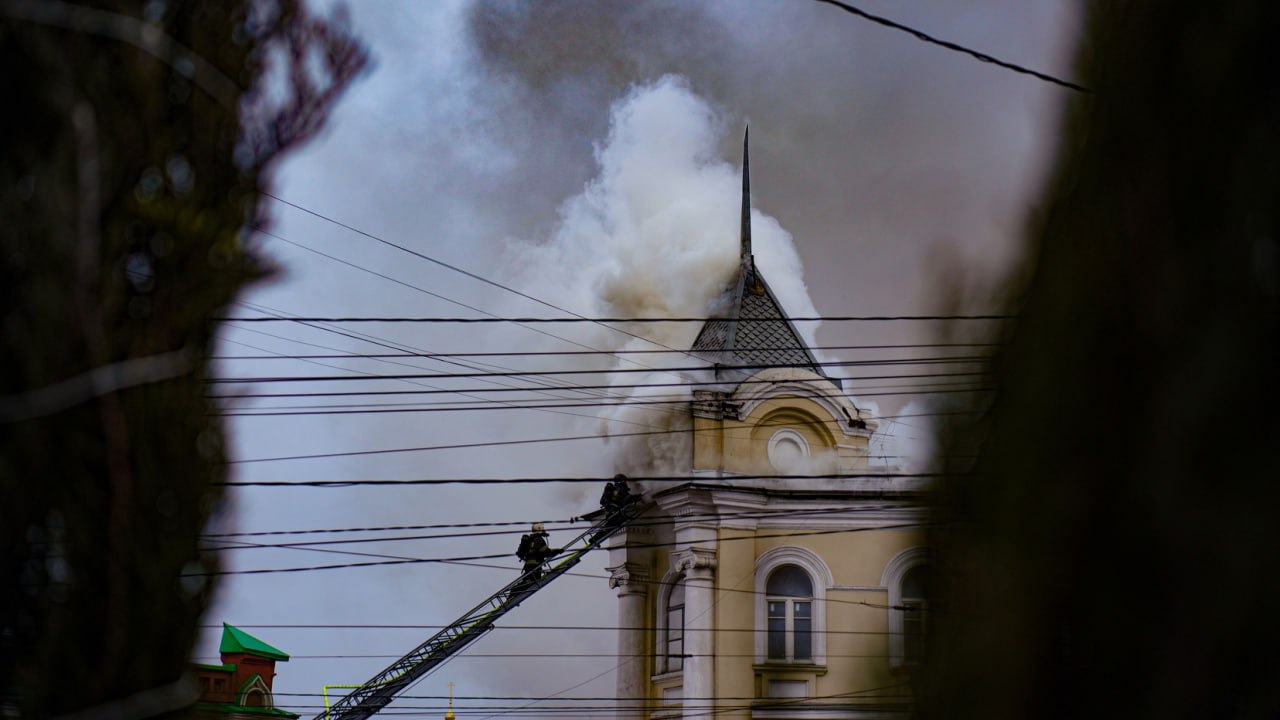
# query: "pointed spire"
746,196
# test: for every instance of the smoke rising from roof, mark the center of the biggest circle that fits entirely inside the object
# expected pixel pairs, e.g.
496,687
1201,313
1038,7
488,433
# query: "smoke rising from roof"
655,234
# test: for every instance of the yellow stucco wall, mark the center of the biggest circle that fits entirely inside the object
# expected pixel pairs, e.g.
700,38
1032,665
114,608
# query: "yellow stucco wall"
742,446
855,553
856,620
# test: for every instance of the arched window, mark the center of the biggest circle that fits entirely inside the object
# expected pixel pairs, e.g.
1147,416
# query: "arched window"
674,631
791,586
789,596
914,605
907,578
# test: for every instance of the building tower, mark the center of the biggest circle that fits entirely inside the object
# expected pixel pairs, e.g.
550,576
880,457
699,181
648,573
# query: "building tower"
241,686
784,581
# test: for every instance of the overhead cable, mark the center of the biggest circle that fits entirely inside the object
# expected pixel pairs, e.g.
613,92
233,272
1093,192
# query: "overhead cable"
975,54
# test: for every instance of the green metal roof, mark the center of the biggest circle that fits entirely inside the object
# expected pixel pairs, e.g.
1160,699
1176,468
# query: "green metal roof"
235,640
228,667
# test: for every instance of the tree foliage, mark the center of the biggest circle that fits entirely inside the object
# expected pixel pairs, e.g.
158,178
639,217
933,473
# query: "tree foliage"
139,138
1115,551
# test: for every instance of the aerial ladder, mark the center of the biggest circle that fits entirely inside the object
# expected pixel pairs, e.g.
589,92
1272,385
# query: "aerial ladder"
381,689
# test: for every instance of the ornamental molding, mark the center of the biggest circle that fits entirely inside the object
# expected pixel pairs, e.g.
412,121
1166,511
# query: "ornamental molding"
629,578
773,382
694,560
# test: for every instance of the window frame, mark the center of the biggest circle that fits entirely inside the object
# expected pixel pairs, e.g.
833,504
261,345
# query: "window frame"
674,662
662,664
894,573
820,580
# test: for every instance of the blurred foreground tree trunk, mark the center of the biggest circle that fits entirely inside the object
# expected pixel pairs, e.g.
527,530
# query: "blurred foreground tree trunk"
138,139
1117,551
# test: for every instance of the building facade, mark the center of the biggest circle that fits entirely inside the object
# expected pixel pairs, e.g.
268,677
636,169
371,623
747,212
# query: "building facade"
787,579
241,686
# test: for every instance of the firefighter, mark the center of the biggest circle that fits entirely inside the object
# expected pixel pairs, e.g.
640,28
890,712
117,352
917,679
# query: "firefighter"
534,551
621,493
609,498
616,494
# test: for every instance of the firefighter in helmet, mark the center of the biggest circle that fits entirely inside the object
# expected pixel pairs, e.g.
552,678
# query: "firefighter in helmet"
534,551
616,494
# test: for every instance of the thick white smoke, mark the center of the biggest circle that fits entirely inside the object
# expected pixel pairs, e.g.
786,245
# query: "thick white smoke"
655,234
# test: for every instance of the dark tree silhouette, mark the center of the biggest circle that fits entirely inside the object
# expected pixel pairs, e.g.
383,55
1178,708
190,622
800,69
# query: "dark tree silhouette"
1116,551
139,137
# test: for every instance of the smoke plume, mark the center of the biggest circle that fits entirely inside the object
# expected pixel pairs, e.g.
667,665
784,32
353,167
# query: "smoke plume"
655,235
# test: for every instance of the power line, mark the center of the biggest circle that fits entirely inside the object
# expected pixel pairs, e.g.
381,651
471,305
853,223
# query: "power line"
546,384
598,320
552,628
376,393
540,373
457,269
569,524
380,656
544,353
662,401
495,556
423,290
485,443
417,408
591,480
975,54
517,527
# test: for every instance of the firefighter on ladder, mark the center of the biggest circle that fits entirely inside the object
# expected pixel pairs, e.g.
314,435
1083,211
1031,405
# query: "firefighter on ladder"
533,552
616,495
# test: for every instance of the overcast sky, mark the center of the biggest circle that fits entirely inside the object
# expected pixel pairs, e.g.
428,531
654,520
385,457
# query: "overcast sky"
587,154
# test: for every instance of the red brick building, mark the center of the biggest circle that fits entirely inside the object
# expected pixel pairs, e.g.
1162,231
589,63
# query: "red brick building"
241,686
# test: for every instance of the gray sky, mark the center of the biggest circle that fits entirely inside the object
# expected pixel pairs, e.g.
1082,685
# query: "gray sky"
586,153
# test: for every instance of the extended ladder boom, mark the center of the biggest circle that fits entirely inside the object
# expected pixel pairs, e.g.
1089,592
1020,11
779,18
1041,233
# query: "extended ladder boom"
382,688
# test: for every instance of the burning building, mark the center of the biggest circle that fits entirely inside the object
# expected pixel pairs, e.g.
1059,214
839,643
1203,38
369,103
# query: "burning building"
787,578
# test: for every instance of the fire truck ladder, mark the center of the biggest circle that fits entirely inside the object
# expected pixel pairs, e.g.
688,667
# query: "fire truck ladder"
382,688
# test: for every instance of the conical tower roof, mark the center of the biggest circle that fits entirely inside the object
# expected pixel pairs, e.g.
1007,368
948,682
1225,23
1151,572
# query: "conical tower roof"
752,330
235,640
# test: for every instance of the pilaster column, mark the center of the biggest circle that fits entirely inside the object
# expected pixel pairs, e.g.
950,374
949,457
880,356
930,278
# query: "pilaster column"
699,567
631,580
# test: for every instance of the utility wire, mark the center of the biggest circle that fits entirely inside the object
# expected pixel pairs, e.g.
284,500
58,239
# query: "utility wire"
459,270
575,527
492,406
524,373
698,479
544,353
544,387
489,443
570,524
375,393
975,54
329,627
423,290
663,400
584,319
495,556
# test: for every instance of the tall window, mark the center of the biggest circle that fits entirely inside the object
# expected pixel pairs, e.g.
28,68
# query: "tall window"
907,577
914,605
789,598
675,628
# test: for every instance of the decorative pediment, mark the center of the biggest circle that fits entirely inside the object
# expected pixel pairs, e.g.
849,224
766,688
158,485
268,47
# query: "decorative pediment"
255,693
